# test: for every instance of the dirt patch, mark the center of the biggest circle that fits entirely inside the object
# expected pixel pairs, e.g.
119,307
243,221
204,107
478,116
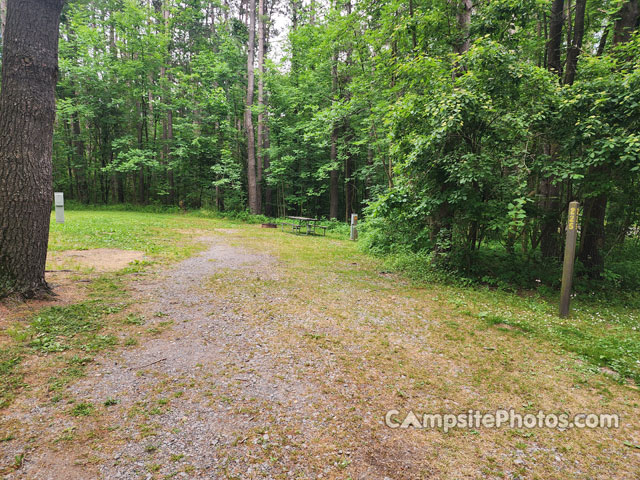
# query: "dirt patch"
99,259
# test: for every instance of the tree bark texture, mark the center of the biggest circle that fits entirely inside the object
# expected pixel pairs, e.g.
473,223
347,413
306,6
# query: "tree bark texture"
27,114
333,155
573,52
248,114
556,22
261,102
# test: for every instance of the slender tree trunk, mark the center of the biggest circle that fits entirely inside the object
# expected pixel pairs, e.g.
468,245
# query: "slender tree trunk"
27,106
556,22
248,116
261,101
576,44
593,232
349,183
333,176
312,12
333,155
3,16
368,181
140,129
626,22
550,204
549,189
464,23
170,179
80,165
412,28
567,21
167,120
603,41
268,193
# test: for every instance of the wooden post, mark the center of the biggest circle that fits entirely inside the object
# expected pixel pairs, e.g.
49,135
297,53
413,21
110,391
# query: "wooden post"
354,226
569,258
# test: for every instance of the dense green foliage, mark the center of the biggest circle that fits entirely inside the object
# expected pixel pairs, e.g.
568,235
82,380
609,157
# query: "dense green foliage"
461,131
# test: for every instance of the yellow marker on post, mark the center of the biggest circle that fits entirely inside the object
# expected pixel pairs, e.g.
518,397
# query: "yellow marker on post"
569,258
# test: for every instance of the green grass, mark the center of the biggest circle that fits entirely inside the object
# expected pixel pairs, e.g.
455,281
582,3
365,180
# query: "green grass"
603,334
155,234
57,329
83,409
603,329
10,375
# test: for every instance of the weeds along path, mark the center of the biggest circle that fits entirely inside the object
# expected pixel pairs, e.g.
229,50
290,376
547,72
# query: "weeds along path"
275,356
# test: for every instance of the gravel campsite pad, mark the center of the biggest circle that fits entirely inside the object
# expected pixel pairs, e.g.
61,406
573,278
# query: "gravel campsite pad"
259,358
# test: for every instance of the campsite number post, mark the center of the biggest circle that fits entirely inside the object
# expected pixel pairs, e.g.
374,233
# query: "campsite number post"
569,258
59,203
354,226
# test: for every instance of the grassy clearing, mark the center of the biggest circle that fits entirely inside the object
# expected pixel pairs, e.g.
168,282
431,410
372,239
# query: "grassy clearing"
606,334
375,340
603,335
160,235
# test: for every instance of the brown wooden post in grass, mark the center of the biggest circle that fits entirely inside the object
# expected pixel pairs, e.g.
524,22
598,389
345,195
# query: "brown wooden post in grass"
354,227
569,258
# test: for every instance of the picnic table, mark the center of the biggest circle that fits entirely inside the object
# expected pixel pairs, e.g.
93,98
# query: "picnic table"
309,224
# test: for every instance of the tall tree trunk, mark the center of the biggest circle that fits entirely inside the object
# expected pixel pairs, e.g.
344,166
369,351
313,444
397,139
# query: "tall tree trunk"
464,23
349,182
626,22
268,192
567,21
603,41
248,116
3,16
592,241
27,106
548,189
261,101
312,12
556,22
167,120
140,129
79,166
576,44
333,155
592,236
412,27
169,140
549,192
121,181
368,181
